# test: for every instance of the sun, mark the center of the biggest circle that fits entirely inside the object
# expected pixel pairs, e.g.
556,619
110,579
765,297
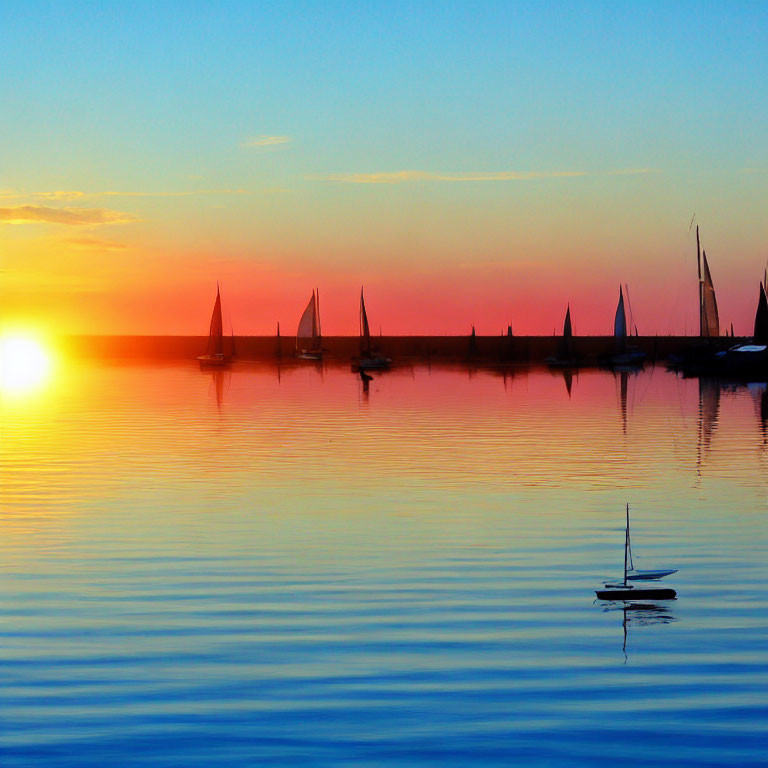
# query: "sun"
24,364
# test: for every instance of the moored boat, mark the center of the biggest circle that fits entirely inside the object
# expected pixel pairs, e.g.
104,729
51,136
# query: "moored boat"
750,360
309,339
215,356
626,591
624,357
369,358
565,356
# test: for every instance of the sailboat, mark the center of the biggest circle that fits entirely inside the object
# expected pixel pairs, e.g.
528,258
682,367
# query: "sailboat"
704,356
214,355
369,358
625,591
750,360
624,356
564,357
308,335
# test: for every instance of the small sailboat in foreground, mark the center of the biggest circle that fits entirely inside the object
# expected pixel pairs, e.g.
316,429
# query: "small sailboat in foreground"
214,356
625,591
309,339
369,358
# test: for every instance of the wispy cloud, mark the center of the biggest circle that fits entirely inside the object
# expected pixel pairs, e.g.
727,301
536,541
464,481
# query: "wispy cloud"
633,171
401,177
267,141
11,194
94,244
58,194
184,193
25,214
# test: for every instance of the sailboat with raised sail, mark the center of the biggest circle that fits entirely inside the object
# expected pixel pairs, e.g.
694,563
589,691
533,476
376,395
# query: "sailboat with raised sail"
309,337
369,358
704,356
624,355
750,360
565,356
626,591
214,355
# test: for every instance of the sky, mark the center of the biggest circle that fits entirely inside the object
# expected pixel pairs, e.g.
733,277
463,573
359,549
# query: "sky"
469,163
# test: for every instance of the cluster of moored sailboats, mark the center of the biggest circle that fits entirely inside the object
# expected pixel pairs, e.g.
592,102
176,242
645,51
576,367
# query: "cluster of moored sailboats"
712,356
309,338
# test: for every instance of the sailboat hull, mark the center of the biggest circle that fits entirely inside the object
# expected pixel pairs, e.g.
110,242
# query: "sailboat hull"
635,593
371,363
213,361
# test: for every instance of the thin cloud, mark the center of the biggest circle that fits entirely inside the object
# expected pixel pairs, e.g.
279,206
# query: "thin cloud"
267,141
58,194
94,244
632,171
10,194
401,177
27,214
187,193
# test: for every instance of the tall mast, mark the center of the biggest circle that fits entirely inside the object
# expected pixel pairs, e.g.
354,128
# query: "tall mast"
317,310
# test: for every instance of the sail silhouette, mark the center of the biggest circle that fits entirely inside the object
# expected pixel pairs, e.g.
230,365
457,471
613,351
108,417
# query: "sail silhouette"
709,320
565,347
216,332
215,349
365,329
761,318
620,322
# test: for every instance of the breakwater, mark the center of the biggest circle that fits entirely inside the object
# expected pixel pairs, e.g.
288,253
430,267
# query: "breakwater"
405,349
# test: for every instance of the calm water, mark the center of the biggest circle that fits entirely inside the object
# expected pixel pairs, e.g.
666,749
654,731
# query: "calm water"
268,567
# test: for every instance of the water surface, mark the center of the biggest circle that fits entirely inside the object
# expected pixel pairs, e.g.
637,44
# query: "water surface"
273,566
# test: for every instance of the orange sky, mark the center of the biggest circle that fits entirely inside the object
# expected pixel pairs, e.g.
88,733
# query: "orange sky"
467,168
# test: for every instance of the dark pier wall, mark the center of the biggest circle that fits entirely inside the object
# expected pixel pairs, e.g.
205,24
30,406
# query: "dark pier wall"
486,349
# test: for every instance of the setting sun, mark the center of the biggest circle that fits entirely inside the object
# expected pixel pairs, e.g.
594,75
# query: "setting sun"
24,363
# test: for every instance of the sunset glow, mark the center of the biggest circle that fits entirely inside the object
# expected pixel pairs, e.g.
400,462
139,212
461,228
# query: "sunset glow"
24,364
467,166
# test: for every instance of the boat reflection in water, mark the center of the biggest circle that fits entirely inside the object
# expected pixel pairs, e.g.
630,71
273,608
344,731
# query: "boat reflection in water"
641,614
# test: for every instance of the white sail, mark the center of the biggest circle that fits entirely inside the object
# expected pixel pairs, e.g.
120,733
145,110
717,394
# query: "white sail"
307,331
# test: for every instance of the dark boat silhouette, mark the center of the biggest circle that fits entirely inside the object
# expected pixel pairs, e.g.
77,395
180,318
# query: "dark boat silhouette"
624,357
626,591
565,356
369,358
214,356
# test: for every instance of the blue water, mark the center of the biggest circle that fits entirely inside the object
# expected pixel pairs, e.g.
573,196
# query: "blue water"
275,567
